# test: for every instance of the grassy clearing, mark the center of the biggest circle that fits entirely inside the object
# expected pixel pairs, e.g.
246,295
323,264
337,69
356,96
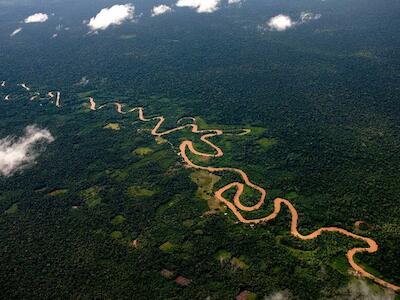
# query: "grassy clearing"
116,234
160,140
167,247
340,264
12,209
142,151
291,196
188,223
238,263
113,126
205,184
170,204
120,175
91,196
119,219
58,192
223,256
137,191
267,143
167,273
162,157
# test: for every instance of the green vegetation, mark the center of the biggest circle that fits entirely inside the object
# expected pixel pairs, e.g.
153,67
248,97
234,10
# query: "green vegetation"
91,196
12,209
341,264
116,234
267,143
167,247
58,192
238,263
188,223
113,126
205,182
252,296
223,256
291,196
137,191
142,151
118,220
160,140
322,106
120,175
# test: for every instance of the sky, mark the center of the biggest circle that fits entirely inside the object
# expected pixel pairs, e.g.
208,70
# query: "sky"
115,14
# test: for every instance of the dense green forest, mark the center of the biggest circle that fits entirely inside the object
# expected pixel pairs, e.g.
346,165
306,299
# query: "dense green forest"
107,213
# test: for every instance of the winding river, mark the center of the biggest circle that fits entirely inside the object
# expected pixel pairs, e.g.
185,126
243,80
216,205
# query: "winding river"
235,204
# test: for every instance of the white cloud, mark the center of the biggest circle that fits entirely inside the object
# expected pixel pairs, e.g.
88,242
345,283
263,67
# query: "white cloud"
201,6
19,153
37,18
16,31
232,2
283,22
160,9
308,16
280,23
115,15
